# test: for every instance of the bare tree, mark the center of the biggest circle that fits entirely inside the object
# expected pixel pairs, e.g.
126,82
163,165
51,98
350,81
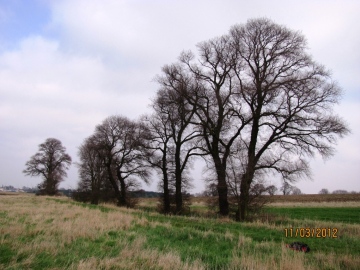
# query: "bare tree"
161,147
286,188
324,191
92,172
124,154
210,190
235,170
296,191
290,99
172,102
272,190
51,162
258,86
219,118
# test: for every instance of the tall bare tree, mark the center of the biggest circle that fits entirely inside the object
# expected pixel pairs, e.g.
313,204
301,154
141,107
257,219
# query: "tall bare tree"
92,172
257,85
290,99
161,151
235,170
172,101
124,154
220,118
175,115
51,162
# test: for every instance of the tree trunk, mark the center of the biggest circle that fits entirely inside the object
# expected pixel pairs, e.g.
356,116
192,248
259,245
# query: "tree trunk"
114,185
245,190
250,168
178,182
95,190
94,197
166,198
50,184
244,199
178,178
178,195
222,189
123,198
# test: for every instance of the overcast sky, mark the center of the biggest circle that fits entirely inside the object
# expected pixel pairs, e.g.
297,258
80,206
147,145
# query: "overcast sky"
67,65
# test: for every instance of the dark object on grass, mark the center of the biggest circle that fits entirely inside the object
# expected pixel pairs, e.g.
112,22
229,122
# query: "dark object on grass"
298,246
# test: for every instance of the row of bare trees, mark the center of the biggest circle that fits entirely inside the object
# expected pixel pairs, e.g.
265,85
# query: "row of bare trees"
122,151
116,156
261,105
251,102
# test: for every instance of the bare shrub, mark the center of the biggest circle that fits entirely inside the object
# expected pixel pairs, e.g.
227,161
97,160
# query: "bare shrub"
324,191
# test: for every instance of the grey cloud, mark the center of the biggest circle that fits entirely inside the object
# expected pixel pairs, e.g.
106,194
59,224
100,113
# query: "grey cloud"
102,56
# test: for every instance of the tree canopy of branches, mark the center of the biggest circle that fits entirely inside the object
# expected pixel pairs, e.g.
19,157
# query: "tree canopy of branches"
92,172
219,119
296,191
324,191
286,188
290,99
257,86
174,116
120,144
51,163
161,153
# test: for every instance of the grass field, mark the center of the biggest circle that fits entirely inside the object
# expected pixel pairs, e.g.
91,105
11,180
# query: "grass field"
57,233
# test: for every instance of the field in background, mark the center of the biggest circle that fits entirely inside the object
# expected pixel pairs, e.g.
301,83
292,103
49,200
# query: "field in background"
199,206
57,233
304,198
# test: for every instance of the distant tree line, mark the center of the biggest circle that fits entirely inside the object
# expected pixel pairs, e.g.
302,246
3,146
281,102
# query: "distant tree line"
338,191
11,188
251,103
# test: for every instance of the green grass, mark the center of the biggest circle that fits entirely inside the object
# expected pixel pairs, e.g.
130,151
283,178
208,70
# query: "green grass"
82,248
6,254
344,214
215,244
190,234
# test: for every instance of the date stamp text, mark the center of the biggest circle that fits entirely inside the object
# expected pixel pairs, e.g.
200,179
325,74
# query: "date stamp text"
311,232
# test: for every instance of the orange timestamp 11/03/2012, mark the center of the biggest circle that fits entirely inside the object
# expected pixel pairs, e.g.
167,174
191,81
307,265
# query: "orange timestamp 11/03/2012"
311,232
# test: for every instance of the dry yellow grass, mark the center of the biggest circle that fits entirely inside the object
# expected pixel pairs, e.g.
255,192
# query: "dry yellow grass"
70,221
134,256
55,225
52,227
252,257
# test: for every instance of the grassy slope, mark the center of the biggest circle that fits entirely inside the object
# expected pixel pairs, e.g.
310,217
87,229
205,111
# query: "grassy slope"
43,233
